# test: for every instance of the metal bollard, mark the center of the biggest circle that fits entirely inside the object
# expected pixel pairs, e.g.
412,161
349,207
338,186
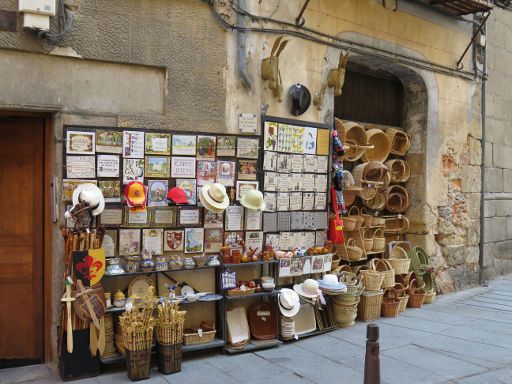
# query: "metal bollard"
372,359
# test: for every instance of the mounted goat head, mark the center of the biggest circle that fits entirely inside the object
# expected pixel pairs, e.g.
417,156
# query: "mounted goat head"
270,68
336,76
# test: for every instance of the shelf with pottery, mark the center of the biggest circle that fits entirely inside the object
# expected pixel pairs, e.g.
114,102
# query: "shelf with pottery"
153,271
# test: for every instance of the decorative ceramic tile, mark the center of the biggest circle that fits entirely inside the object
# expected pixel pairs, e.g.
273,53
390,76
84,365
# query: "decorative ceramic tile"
284,221
309,220
297,220
321,220
270,222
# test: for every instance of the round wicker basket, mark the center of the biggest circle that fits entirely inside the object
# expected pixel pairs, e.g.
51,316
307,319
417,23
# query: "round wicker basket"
355,137
399,170
397,199
399,141
381,145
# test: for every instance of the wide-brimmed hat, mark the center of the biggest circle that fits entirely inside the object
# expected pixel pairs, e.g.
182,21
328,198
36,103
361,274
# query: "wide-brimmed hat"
135,194
214,197
301,99
289,302
90,194
308,289
253,199
330,283
177,196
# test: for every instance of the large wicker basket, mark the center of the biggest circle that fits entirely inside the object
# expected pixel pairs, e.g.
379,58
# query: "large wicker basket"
399,140
369,307
399,260
351,222
368,240
396,224
196,338
381,145
372,280
354,136
430,297
383,266
399,170
397,199
390,303
353,251
367,217
369,176
379,241
377,202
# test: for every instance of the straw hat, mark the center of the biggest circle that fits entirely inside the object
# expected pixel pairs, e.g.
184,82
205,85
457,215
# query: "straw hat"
135,194
308,289
253,200
90,194
330,282
214,197
289,302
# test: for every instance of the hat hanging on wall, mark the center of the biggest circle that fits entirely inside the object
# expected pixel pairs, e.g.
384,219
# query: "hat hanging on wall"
177,195
300,98
253,199
90,194
135,195
214,197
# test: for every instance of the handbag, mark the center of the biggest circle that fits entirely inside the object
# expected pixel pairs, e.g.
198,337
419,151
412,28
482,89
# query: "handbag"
335,223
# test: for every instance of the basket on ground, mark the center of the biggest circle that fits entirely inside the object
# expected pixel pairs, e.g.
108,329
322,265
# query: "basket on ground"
369,307
372,280
416,295
390,303
198,338
399,260
382,266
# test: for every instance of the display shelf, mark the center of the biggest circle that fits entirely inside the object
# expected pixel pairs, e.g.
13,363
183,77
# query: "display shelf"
257,294
309,334
216,343
261,262
160,271
262,344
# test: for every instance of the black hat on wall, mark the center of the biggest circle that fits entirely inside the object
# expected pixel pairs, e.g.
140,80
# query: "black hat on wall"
300,98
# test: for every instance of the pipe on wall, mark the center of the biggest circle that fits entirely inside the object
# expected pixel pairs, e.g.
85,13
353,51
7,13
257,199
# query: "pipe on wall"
483,172
242,50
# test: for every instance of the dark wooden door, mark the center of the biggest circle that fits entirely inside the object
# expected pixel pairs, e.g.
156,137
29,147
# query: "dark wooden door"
21,240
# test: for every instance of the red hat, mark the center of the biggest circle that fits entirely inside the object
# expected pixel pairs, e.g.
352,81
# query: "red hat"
135,194
177,195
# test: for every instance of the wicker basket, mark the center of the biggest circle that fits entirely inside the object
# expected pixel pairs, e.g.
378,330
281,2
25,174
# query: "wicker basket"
379,221
195,338
369,307
354,136
379,241
402,294
383,266
357,216
416,295
367,240
353,251
377,202
239,292
398,170
350,194
396,224
381,145
169,358
390,303
369,176
399,260
335,261
399,140
367,217
138,364
430,297
352,222
345,300
397,199
372,280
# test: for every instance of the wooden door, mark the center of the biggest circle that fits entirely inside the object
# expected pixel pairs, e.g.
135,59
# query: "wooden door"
21,240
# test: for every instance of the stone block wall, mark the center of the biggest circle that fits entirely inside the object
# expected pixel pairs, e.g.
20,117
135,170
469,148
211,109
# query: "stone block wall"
498,162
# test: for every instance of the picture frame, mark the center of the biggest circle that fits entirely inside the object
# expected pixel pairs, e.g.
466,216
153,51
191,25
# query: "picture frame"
157,166
253,219
80,167
129,242
194,240
152,240
190,188
247,169
189,217
183,167
109,141
108,166
206,147
213,239
184,145
110,243
234,218
174,239
206,172
69,185
111,216
270,135
133,144
157,193
233,238
133,170
242,187
226,146
163,217
80,143
111,190
213,220
226,173
247,148
158,143
136,219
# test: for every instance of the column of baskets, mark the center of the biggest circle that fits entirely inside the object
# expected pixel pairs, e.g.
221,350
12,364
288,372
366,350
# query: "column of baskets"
344,306
169,336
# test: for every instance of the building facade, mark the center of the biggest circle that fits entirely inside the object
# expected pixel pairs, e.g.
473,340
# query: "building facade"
195,66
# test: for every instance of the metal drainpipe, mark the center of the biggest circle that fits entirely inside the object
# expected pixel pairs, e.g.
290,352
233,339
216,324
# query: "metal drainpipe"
482,189
242,52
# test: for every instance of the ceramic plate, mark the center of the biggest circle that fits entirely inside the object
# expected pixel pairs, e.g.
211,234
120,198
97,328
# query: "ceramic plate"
140,286
187,290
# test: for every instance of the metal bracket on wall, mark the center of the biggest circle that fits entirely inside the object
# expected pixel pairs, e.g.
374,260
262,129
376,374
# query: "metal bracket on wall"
459,63
385,5
300,21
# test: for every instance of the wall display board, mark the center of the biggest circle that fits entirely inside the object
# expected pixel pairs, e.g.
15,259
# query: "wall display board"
295,183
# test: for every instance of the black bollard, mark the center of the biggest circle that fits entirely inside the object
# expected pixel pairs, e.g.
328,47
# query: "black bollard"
372,358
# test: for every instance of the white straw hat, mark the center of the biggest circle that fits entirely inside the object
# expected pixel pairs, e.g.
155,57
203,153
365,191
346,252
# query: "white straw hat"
308,289
214,197
289,302
253,199
90,194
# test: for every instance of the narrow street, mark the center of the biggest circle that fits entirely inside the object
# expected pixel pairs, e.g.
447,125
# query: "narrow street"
463,338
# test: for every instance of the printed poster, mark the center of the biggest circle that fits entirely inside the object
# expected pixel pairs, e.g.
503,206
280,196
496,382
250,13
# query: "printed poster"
310,140
157,166
80,167
206,147
152,241
158,143
270,136
184,145
206,172
270,161
226,146
194,240
183,167
109,141
157,192
129,242
226,173
322,142
111,190
270,201
80,143
254,241
108,166
173,240
133,144
213,239
133,170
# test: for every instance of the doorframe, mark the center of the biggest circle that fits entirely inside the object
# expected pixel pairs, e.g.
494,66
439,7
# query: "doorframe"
47,224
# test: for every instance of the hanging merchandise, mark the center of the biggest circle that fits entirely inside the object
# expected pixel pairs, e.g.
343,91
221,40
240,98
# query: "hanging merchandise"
335,223
270,68
301,99
254,200
214,197
88,202
135,195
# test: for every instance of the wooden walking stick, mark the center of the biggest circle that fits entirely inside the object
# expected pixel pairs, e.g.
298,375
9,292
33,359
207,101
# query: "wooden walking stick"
69,327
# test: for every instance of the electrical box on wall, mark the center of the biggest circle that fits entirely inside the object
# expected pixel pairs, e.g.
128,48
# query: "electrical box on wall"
33,21
40,7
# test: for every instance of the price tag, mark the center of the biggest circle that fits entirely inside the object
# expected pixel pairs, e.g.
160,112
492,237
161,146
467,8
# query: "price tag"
399,215
262,313
200,332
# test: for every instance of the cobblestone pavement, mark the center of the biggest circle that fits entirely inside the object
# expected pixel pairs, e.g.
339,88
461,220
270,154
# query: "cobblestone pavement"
463,338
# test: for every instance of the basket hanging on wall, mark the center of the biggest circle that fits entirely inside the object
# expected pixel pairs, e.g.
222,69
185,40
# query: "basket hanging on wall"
399,140
399,170
397,199
354,136
381,145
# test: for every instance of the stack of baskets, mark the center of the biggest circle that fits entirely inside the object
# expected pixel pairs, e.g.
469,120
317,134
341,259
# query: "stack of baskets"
344,306
398,253
378,275
420,266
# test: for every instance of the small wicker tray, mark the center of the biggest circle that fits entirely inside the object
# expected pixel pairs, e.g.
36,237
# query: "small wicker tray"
239,292
194,338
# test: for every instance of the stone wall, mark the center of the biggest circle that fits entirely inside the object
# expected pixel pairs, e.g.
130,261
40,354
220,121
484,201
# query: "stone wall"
498,161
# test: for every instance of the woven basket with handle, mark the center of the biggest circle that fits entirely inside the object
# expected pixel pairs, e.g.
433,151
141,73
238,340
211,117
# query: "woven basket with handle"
372,280
390,303
396,224
351,222
353,251
402,294
399,140
369,307
367,217
416,294
397,199
399,170
399,260
379,241
383,266
367,240
381,145
354,136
